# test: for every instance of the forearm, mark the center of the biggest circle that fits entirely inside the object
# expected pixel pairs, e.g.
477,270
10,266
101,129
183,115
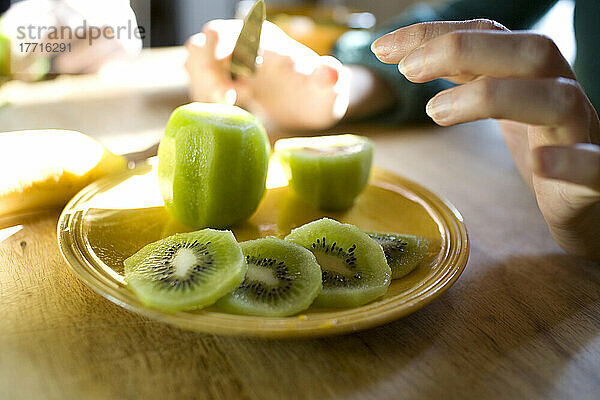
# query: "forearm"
369,94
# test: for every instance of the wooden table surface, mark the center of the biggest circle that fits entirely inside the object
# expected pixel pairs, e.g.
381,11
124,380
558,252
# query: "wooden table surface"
523,321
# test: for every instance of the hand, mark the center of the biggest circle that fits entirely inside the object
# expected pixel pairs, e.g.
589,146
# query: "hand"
522,79
293,87
85,29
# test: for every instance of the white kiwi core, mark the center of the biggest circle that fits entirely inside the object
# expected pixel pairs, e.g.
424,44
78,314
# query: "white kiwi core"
184,260
332,263
261,274
332,150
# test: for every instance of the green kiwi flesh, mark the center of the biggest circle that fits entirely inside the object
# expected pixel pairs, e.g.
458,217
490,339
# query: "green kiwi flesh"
187,270
212,165
4,58
354,268
328,172
403,252
282,279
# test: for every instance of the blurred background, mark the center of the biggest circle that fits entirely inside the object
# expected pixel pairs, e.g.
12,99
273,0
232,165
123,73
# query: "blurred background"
174,21
316,23
78,88
171,22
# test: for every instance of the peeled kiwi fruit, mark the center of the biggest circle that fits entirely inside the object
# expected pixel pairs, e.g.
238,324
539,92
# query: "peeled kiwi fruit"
187,270
282,279
212,165
328,172
4,58
354,269
402,252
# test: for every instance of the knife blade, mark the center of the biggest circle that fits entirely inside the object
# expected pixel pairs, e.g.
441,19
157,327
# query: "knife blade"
243,58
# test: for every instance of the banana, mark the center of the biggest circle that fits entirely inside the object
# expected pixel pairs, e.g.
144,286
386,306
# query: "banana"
46,168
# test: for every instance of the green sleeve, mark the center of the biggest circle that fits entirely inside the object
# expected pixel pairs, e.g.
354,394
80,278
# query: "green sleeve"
355,47
587,61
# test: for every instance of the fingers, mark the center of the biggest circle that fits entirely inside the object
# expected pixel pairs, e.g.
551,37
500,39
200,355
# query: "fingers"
579,164
550,102
217,39
202,47
490,53
195,42
209,76
224,32
394,46
327,72
333,76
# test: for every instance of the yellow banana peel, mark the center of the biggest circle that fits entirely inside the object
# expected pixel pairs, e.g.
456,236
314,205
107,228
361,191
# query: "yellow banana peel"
45,168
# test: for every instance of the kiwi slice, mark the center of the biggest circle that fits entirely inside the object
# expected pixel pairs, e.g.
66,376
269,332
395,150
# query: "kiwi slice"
187,270
328,172
212,165
353,265
402,252
282,279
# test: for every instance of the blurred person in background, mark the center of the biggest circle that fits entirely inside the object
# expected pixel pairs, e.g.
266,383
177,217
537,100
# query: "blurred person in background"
377,89
520,78
80,34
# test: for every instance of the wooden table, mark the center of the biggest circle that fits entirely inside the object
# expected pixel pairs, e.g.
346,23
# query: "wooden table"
523,321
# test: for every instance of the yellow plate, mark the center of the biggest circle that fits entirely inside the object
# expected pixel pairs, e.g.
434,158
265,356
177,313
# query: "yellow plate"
114,217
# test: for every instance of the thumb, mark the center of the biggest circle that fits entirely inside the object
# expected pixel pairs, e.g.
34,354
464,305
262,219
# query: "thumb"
579,164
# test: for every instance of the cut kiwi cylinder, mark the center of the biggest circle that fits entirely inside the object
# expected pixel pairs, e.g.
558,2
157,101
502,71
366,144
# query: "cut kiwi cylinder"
402,252
187,270
212,165
328,172
353,265
282,279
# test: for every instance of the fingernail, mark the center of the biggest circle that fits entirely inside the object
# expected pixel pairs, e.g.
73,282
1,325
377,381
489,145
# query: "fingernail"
383,46
413,64
439,107
326,75
198,40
